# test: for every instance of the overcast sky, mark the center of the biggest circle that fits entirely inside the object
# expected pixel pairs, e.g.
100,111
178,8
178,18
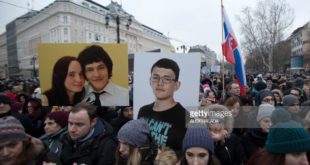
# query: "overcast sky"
190,21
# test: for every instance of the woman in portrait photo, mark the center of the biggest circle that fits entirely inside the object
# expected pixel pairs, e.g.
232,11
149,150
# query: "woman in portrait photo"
67,83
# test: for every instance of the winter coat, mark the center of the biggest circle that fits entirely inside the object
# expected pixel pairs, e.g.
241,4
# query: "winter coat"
231,152
38,153
54,142
98,149
253,140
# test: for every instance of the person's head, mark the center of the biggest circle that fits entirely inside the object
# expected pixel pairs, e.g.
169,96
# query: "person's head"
306,88
269,83
96,65
223,115
296,92
292,103
55,121
233,103
278,95
260,85
247,103
286,136
164,78
22,98
5,104
82,119
67,76
299,82
134,134
127,111
266,97
198,146
12,135
234,88
210,96
33,106
263,117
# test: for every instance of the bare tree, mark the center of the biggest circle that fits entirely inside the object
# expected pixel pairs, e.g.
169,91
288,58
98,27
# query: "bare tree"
263,27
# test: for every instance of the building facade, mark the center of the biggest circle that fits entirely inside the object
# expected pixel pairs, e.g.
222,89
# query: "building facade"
300,48
72,21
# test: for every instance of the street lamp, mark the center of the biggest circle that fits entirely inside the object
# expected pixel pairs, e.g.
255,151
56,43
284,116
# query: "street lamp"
117,19
33,61
182,47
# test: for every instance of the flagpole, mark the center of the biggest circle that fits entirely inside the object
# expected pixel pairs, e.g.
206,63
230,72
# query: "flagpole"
223,71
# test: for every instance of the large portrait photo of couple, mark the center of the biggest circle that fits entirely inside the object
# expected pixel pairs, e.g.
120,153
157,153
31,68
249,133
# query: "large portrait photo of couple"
94,73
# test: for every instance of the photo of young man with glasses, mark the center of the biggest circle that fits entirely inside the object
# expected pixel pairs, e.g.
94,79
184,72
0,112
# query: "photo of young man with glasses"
165,116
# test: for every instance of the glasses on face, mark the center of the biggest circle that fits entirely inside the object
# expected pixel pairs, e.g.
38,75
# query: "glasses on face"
295,94
295,105
165,79
268,100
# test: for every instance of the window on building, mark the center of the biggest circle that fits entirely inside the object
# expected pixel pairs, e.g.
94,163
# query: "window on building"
65,7
94,8
97,37
101,11
65,31
65,19
89,35
85,4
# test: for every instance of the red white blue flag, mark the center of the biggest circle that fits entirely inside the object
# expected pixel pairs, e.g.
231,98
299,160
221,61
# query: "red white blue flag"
232,54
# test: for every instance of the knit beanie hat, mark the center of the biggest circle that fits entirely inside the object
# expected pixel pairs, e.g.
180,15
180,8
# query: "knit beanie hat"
290,100
264,94
11,129
260,85
264,110
299,82
60,117
198,136
280,115
287,136
5,99
135,133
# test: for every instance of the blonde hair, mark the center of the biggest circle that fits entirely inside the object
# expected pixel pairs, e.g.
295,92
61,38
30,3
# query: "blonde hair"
166,156
135,157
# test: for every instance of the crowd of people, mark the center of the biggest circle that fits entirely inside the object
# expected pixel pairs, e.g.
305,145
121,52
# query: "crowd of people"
70,126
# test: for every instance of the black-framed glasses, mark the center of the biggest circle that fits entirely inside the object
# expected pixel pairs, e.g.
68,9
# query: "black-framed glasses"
268,100
295,94
165,79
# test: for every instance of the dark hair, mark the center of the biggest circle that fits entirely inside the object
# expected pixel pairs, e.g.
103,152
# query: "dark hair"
231,101
89,108
213,160
28,154
246,100
18,97
93,54
57,95
167,64
296,89
262,156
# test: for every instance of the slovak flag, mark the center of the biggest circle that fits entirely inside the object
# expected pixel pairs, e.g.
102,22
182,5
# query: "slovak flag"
232,54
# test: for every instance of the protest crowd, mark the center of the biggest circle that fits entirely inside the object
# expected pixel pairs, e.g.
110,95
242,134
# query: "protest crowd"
270,124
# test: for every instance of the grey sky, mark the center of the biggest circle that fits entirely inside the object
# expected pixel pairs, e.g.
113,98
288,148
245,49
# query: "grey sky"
191,21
